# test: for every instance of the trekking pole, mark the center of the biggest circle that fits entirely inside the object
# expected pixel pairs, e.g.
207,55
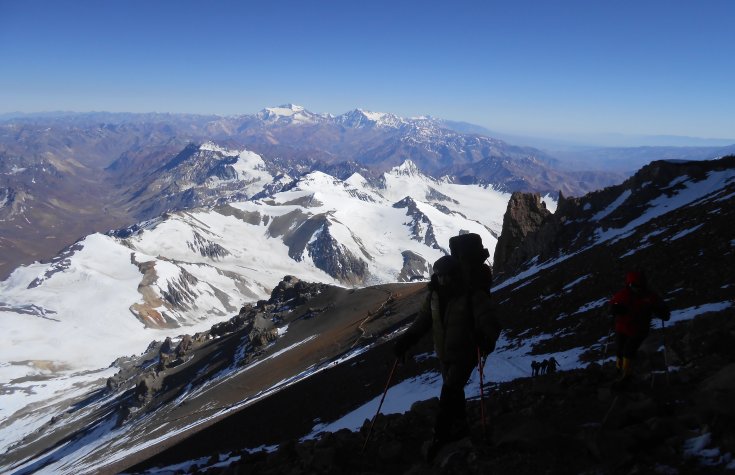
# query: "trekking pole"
481,369
607,342
372,423
609,411
666,358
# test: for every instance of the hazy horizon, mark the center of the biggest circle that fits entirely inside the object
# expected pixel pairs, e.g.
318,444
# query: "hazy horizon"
550,142
532,68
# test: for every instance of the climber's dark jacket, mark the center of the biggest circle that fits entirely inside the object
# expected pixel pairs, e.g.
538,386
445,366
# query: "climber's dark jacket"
459,323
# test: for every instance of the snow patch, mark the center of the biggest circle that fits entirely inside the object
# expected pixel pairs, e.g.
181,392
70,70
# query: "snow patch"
612,206
399,399
689,194
633,251
693,312
699,448
551,202
569,286
725,198
685,232
591,305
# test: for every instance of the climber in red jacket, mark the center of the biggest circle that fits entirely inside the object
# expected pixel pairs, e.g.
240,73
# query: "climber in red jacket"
633,308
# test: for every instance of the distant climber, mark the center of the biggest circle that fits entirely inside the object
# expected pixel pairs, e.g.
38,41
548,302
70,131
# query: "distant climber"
535,367
458,311
633,307
551,365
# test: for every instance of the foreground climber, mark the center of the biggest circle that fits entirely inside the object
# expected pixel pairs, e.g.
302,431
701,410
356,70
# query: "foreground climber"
458,311
633,307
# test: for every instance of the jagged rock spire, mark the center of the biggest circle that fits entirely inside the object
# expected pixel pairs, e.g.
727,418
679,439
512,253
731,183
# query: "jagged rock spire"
524,215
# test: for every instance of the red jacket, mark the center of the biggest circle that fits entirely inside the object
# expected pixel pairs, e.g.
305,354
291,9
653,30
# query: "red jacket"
633,311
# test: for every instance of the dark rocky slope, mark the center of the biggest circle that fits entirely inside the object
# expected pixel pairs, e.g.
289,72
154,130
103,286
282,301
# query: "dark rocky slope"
560,423
676,421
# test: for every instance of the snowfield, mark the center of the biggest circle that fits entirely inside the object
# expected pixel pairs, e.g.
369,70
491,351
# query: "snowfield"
79,312
109,296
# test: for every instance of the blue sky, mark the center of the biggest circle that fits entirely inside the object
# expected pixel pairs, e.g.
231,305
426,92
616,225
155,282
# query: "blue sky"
553,68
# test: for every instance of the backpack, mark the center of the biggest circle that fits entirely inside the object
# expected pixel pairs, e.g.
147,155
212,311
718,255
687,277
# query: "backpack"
469,251
468,248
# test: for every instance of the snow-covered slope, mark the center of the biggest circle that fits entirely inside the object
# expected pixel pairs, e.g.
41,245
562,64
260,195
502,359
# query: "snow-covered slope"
109,295
200,175
289,114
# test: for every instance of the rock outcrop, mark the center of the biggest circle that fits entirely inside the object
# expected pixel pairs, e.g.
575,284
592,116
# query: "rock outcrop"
335,259
292,291
421,228
414,268
518,242
530,231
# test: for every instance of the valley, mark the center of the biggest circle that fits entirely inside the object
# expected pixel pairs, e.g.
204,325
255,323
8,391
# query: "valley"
191,272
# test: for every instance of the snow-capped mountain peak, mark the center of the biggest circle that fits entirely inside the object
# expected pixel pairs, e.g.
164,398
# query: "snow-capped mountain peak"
407,168
374,116
358,181
359,118
289,114
213,147
285,110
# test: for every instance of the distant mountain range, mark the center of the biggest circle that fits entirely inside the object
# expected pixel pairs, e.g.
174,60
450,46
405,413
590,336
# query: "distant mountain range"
65,176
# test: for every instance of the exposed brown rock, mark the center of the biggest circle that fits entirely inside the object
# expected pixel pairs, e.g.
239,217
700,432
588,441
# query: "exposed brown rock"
525,215
184,345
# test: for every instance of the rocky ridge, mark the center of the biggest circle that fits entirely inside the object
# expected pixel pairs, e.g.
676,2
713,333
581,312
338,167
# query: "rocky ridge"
180,386
147,378
578,222
568,422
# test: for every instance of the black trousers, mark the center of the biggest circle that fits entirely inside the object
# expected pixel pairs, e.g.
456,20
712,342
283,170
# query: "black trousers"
451,421
627,346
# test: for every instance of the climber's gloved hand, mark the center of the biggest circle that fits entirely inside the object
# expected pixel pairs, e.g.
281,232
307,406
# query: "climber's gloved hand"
399,349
